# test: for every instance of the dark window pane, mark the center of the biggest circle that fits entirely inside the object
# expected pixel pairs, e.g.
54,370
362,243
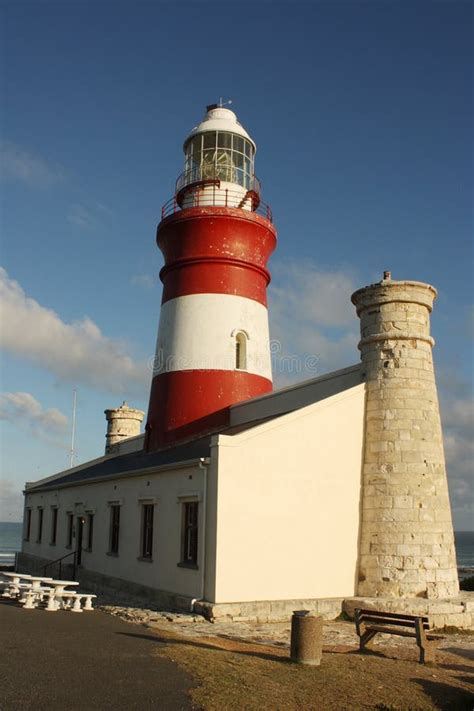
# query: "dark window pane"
224,140
40,525
238,144
238,160
196,144
190,533
69,530
114,528
147,533
90,531
210,139
28,525
54,525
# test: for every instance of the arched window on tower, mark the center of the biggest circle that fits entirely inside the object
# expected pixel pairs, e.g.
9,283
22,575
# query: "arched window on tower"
241,350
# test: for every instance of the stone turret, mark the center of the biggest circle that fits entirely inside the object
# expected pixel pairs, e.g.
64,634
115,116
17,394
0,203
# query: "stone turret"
406,538
122,422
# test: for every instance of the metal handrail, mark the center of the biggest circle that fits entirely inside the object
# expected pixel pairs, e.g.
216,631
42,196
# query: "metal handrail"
230,174
217,197
60,560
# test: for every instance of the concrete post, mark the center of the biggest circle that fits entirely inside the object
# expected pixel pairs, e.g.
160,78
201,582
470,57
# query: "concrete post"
306,638
406,538
122,422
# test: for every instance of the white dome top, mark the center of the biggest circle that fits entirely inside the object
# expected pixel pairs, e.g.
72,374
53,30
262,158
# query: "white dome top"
220,119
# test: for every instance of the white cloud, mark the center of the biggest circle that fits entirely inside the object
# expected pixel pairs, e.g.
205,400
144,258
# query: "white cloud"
77,352
457,414
19,164
311,316
11,501
25,412
24,407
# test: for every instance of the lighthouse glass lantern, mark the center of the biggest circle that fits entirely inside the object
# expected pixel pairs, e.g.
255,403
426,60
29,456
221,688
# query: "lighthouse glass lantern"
219,157
216,236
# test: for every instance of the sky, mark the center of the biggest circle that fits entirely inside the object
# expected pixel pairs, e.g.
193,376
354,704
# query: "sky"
362,114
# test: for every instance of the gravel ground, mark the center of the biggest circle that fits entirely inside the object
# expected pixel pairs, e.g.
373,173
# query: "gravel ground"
335,632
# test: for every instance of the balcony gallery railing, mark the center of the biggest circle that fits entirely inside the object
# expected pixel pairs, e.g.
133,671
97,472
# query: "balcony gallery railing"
209,193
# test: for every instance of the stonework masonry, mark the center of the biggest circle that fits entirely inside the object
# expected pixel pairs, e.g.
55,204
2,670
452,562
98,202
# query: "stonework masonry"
122,422
406,536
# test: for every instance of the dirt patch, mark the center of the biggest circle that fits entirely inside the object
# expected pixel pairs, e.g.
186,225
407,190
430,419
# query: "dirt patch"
235,674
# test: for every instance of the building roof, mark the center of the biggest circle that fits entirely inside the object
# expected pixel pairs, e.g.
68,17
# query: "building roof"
242,416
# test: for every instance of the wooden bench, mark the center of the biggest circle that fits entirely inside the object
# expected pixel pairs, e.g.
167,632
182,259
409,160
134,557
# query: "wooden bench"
369,622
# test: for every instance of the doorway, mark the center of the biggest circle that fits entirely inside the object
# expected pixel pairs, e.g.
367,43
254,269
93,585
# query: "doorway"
80,533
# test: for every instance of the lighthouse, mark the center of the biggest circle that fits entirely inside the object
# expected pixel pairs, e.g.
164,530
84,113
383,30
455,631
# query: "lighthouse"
216,235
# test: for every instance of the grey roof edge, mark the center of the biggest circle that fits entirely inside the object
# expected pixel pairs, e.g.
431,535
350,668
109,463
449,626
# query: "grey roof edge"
302,384
123,475
64,472
293,397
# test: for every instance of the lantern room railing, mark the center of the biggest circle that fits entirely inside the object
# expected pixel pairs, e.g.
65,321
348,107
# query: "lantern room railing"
209,193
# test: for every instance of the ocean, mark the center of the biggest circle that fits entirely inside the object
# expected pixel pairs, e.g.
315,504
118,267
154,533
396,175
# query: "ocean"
10,542
11,533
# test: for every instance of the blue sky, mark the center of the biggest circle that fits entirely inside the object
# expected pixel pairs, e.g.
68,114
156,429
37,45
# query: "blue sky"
362,113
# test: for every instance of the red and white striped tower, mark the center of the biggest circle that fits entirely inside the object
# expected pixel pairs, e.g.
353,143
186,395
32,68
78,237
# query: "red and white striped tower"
216,236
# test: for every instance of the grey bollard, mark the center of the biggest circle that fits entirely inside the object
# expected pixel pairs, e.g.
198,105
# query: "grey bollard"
306,638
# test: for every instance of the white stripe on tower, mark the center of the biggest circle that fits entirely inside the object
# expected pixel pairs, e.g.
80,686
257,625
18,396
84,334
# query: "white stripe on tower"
198,332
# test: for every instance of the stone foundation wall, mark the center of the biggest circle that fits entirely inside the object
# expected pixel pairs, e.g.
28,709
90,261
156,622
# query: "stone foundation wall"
455,612
268,610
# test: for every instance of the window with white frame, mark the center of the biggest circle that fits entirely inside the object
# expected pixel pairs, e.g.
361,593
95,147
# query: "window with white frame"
27,524
54,525
189,533
69,529
90,531
114,529
40,524
240,351
147,530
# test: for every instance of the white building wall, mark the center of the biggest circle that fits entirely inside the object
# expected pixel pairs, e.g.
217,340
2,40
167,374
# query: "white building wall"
167,490
287,518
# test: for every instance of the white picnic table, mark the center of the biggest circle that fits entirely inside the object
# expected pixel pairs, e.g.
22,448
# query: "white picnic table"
14,587
57,593
31,592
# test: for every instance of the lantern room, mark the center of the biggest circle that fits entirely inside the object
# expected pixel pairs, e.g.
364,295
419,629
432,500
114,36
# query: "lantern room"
219,164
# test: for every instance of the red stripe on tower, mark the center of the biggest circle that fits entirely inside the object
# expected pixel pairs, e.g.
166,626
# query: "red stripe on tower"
216,236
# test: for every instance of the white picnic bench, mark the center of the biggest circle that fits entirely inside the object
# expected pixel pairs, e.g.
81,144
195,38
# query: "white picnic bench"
31,593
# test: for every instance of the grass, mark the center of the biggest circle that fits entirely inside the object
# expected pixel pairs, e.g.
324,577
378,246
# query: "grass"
233,675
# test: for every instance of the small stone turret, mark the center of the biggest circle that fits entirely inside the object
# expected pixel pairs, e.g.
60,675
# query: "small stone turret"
122,422
406,538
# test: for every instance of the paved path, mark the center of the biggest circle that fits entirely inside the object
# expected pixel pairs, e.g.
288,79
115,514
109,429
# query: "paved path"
83,661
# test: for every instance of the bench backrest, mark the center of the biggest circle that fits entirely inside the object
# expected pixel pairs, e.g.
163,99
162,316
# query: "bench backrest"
389,618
